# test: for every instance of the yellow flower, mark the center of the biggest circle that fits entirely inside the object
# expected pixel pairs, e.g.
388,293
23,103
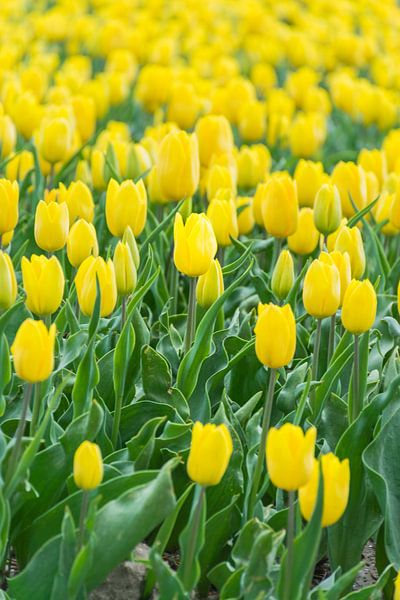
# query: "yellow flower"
19,166
81,242
359,306
253,164
85,282
258,201
184,105
195,244
321,291
129,238
210,285
223,218
245,214
55,139
125,270
97,165
349,240
351,182
8,287
8,136
309,177
275,335
342,263
290,456
283,275
88,466
214,135
33,351
336,475
126,206
220,177
43,281
9,197
210,451
51,225
305,239
85,115
307,134
327,209
153,188
375,161
280,206
178,165
382,212
79,200
252,121
331,239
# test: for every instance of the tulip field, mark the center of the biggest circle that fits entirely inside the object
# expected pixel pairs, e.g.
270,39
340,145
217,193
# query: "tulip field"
199,299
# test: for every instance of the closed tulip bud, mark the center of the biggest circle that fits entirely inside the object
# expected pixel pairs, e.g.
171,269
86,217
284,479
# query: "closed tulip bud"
9,197
214,135
359,306
97,165
88,466
280,207
51,225
321,291
178,165
85,116
83,173
79,200
85,282
275,335
252,121
210,451
305,239
245,215
33,351
336,476
129,238
349,240
382,212
125,270
19,166
342,263
55,139
43,281
283,275
8,136
210,286
126,206
253,164
309,177
290,456
8,287
351,182
81,242
258,201
222,214
327,209
373,187
331,239
375,161
153,188
220,178
195,244
307,134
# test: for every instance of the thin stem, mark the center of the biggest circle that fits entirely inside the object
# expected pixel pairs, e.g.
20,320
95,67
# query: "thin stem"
84,509
290,543
123,311
51,177
315,358
37,401
193,540
116,421
331,343
357,403
261,451
19,431
275,252
221,255
191,318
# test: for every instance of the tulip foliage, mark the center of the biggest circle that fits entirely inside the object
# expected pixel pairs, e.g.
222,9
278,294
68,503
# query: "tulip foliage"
199,297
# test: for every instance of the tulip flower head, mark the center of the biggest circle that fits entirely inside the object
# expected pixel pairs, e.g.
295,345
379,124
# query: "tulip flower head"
33,351
126,206
321,290
195,244
210,286
178,165
85,280
275,335
81,242
88,466
9,213
43,280
359,306
8,286
210,451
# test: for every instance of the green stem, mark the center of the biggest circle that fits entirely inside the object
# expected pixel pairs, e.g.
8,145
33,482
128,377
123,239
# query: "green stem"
261,451
174,288
20,431
116,421
187,571
123,311
220,321
357,403
315,358
276,251
331,343
221,255
191,318
84,509
37,401
290,544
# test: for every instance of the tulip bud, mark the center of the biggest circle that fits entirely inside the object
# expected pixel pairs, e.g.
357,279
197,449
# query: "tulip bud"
125,270
307,134
129,238
51,225
8,287
178,165
220,178
327,209
275,324
195,244
258,201
305,239
245,215
342,263
126,206
83,173
382,212
349,240
88,466
359,306
20,165
8,136
253,163
97,164
85,116
252,121
85,282
81,242
321,291
283,275
33,351
336,475
222,214
210,285
210,451
351,182
43,281
331,239
55,139
9,197
290,456
309,177
153,188
280,207
375,161
79,200
214,134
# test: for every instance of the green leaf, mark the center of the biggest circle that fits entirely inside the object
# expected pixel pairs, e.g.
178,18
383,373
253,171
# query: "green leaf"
191,541
360,214
123,352
87,377
141,446
66,557
169,586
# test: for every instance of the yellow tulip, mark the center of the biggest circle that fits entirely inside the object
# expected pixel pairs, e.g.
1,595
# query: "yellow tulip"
275,335
382,212
210,451
331,239
33,351
85,282
125,270
8,287
342,263
19,166
290,456
258,201
83,172
336,476
321,291
245,216
252,121
85,115
214,135
359,306
283,275
253,164
307,134
210,285
178,165
81,242
8,136
218,178
349,240
79,200
327,209
55,139
126,206
129,238
9,197
153,188
280,206
51,225
195,244
309,177
43,281
88,466
223,218
184,105
351,182
375,161
97,165
305,239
